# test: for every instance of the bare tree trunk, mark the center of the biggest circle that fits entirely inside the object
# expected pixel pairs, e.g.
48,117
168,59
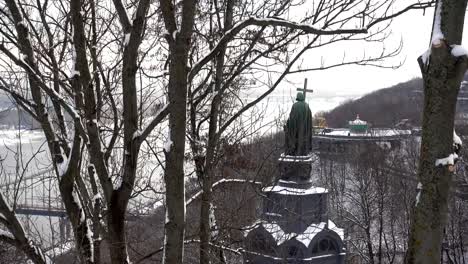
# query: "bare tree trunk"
442,74
381,223
120,196
179,44
75,207
369,237
213,136
174,174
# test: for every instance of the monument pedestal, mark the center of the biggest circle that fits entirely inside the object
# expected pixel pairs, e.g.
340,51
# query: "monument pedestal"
294,207
295,168
294,226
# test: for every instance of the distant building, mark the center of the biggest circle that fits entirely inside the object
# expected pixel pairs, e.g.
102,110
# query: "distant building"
339,141
358,126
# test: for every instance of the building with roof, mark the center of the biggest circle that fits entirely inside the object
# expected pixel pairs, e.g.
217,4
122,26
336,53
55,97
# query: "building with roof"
359,137
358,126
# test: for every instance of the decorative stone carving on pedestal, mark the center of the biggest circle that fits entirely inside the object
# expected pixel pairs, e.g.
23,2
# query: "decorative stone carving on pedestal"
293,226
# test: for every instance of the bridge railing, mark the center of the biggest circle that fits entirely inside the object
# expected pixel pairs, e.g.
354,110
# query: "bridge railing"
36,193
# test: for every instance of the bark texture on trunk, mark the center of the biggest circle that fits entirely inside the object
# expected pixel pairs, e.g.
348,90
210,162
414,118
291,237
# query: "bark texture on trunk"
179,41
75,207
174,174
119,197
213,136
442,74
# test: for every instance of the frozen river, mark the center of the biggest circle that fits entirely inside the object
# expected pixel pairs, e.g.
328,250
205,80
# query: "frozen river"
27,181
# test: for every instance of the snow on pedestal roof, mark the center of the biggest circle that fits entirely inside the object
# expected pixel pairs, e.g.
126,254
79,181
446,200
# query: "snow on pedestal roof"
337,230
305,237
294,191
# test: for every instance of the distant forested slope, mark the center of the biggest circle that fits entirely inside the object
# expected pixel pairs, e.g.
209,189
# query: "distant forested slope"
386,107
382,108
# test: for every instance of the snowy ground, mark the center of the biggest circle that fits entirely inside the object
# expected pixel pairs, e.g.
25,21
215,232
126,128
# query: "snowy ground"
370,133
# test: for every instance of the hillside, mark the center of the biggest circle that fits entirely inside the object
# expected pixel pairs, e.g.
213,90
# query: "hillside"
386,107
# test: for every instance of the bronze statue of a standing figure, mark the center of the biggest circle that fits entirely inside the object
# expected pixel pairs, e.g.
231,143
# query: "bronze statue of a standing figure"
298,128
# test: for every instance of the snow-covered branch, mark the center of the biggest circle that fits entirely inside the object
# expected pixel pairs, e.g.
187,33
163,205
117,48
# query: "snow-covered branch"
7,236
438,39
420,5
418,195
456,139
160,115
452,158
449,160
237,251
437,35
221,182
273,21
458,51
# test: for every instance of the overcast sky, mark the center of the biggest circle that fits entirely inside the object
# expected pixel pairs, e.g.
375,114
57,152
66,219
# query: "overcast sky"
335,85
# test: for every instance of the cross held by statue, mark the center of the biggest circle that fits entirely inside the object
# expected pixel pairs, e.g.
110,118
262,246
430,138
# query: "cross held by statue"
305,90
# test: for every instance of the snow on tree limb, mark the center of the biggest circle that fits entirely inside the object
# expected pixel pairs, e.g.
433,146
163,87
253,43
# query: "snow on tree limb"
89,236
75,73
2,218
450,160
237,251
137,134
456,139
63,166
274,21
266,22
6,234
160,115
437,35
220,182
126,39
458,51
418,196
168,144
425,56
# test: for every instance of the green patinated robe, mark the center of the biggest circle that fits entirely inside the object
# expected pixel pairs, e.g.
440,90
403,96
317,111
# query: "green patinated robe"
298,129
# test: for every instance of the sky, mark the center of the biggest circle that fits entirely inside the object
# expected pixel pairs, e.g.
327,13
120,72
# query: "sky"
349,82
